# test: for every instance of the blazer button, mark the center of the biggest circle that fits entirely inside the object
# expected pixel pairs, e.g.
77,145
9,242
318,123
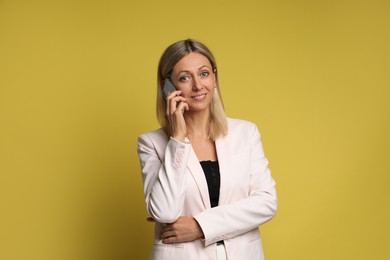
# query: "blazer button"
180,154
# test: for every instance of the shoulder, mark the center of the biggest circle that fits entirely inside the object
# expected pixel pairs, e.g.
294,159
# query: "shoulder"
155,136
235,125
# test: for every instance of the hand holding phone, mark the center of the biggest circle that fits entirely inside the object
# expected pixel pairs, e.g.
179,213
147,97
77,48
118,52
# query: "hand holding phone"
174,104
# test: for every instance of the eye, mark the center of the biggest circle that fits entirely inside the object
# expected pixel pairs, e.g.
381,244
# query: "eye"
184,78
204,73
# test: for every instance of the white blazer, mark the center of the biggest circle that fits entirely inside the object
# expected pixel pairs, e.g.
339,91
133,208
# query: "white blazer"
175,185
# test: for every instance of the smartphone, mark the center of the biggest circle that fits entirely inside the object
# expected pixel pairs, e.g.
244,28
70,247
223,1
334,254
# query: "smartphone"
168,87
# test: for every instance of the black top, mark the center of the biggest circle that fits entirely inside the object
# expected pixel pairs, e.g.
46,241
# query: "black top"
213,178
211,171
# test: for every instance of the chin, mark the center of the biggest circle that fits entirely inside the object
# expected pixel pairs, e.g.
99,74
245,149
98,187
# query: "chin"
199,108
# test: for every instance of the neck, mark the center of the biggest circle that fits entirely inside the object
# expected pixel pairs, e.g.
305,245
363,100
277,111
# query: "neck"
198,124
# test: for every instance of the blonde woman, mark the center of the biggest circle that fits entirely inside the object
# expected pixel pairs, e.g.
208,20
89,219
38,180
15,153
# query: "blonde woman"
206,180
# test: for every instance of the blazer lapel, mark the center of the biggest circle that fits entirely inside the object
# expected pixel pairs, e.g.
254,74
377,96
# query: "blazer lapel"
197,173
221,148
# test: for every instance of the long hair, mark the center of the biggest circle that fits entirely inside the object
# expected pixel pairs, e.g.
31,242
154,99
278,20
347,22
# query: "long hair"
170,57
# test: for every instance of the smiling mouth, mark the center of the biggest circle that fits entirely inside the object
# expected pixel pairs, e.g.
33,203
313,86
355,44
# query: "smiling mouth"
199,96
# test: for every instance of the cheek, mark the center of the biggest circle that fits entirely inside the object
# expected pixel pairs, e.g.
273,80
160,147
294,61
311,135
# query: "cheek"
211,94
185,94
208,83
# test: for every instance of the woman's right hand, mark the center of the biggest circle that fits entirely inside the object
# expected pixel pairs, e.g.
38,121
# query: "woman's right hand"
176,105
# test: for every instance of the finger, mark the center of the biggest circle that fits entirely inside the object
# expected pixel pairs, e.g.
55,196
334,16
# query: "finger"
186,107
173,101
166,227
178,99
183,106
169,240
150,219
169,100
176,107
167,234
172,107
173,94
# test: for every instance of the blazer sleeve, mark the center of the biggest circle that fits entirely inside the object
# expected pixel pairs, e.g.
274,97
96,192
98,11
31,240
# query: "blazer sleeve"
227,221
163,166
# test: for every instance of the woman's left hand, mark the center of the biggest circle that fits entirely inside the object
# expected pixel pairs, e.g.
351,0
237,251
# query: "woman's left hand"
184,229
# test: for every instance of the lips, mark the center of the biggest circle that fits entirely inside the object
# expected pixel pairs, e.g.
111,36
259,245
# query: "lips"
202,96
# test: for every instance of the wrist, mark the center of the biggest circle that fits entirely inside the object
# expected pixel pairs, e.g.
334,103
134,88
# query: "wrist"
200,231
180,138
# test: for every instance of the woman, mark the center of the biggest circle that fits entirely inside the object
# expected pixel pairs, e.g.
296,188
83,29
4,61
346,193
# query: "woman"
206,181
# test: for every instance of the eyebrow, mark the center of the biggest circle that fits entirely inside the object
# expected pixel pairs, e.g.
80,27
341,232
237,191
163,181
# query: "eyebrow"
201,67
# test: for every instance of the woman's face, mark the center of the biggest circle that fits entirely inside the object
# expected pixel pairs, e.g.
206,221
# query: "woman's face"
194,76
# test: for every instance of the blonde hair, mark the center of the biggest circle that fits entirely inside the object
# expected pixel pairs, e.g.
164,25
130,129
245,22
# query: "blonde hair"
171,56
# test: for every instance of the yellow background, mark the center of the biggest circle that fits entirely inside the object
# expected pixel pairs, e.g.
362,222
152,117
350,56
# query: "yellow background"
77,86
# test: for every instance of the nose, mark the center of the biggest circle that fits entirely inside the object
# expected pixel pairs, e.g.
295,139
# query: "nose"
196,84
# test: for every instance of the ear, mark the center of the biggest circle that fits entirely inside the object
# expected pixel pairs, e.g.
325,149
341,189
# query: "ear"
215,76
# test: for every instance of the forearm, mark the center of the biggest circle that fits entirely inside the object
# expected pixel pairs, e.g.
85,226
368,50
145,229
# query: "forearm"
228,221
164,178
